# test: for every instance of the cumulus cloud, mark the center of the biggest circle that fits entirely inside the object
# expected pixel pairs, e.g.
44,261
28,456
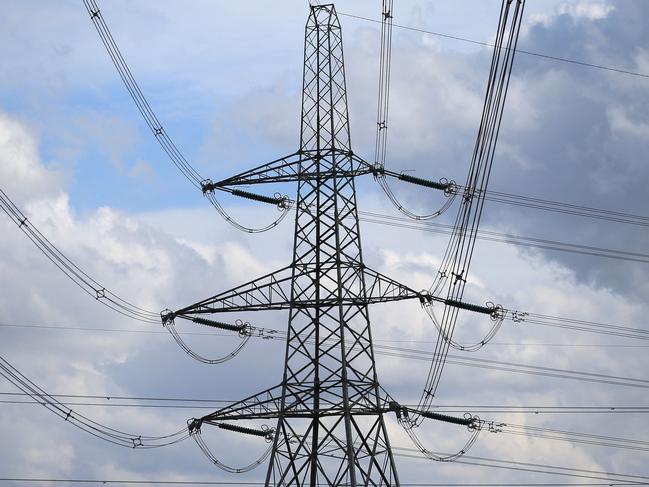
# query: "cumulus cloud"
569,134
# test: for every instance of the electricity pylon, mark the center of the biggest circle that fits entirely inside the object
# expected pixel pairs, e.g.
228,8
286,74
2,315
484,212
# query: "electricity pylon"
329,406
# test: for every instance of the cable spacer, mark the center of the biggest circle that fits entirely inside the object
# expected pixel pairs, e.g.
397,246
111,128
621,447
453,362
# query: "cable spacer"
519,316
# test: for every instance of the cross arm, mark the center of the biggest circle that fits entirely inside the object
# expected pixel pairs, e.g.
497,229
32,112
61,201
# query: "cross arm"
292,168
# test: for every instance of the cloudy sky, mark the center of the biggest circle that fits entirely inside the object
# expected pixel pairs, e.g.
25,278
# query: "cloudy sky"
225,79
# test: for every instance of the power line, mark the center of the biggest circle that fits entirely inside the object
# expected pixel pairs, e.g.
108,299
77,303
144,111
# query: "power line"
518,240
511,465
518,50
409,353
504,366
377,340
456,408
216,482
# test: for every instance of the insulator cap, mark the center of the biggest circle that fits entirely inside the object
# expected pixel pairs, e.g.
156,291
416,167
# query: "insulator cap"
424,182
447,419
470,307
244,430
258,197
218,324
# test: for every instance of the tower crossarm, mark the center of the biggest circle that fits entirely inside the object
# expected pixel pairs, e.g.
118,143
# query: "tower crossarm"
299,403
295,167
380,288
273,291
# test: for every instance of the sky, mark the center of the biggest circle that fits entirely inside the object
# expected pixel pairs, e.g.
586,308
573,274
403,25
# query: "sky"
225,79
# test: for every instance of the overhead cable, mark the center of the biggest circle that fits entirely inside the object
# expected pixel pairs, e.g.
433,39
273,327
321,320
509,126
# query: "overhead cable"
549,57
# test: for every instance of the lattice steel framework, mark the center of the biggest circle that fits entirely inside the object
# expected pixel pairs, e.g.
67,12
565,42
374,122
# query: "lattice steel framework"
329,406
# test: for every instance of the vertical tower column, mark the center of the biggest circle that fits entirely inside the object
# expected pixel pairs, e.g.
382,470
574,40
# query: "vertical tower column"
329,365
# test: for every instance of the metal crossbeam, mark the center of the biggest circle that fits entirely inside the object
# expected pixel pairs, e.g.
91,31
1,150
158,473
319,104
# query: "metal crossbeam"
289,169
292,287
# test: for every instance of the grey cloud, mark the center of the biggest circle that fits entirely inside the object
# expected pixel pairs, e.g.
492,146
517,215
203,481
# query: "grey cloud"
141,257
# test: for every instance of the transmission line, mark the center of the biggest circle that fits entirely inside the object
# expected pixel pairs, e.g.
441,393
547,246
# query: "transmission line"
184,403
195,178
71,270
376,340
518,240
159,132
454,269
331,288
518,50
610,477
82,422
216,482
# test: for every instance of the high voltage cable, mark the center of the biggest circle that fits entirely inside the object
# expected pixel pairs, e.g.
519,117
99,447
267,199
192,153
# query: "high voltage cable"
610,477
401,352
518,240
453,271
77,275
124,439
438,408
500,427
216,482
504,366
113,301
518,50
154,124
481,167
81,421
376,340
187,170
444,408
567,208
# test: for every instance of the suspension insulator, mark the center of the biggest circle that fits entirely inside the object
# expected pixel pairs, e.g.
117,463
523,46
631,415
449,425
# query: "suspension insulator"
471,307
218,324
258,197
448,419
424,182
246,431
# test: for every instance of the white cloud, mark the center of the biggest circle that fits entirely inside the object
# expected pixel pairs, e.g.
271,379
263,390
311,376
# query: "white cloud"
178,255
622,124
590,10
21,170
585,10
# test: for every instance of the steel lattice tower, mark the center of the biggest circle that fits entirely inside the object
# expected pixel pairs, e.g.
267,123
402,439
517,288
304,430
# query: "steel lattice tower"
337,363
329,406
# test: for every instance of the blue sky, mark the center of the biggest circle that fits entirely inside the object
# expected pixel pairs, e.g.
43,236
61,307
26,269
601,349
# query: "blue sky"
224,77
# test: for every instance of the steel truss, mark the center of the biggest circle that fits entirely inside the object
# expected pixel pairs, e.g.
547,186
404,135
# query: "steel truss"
329,406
